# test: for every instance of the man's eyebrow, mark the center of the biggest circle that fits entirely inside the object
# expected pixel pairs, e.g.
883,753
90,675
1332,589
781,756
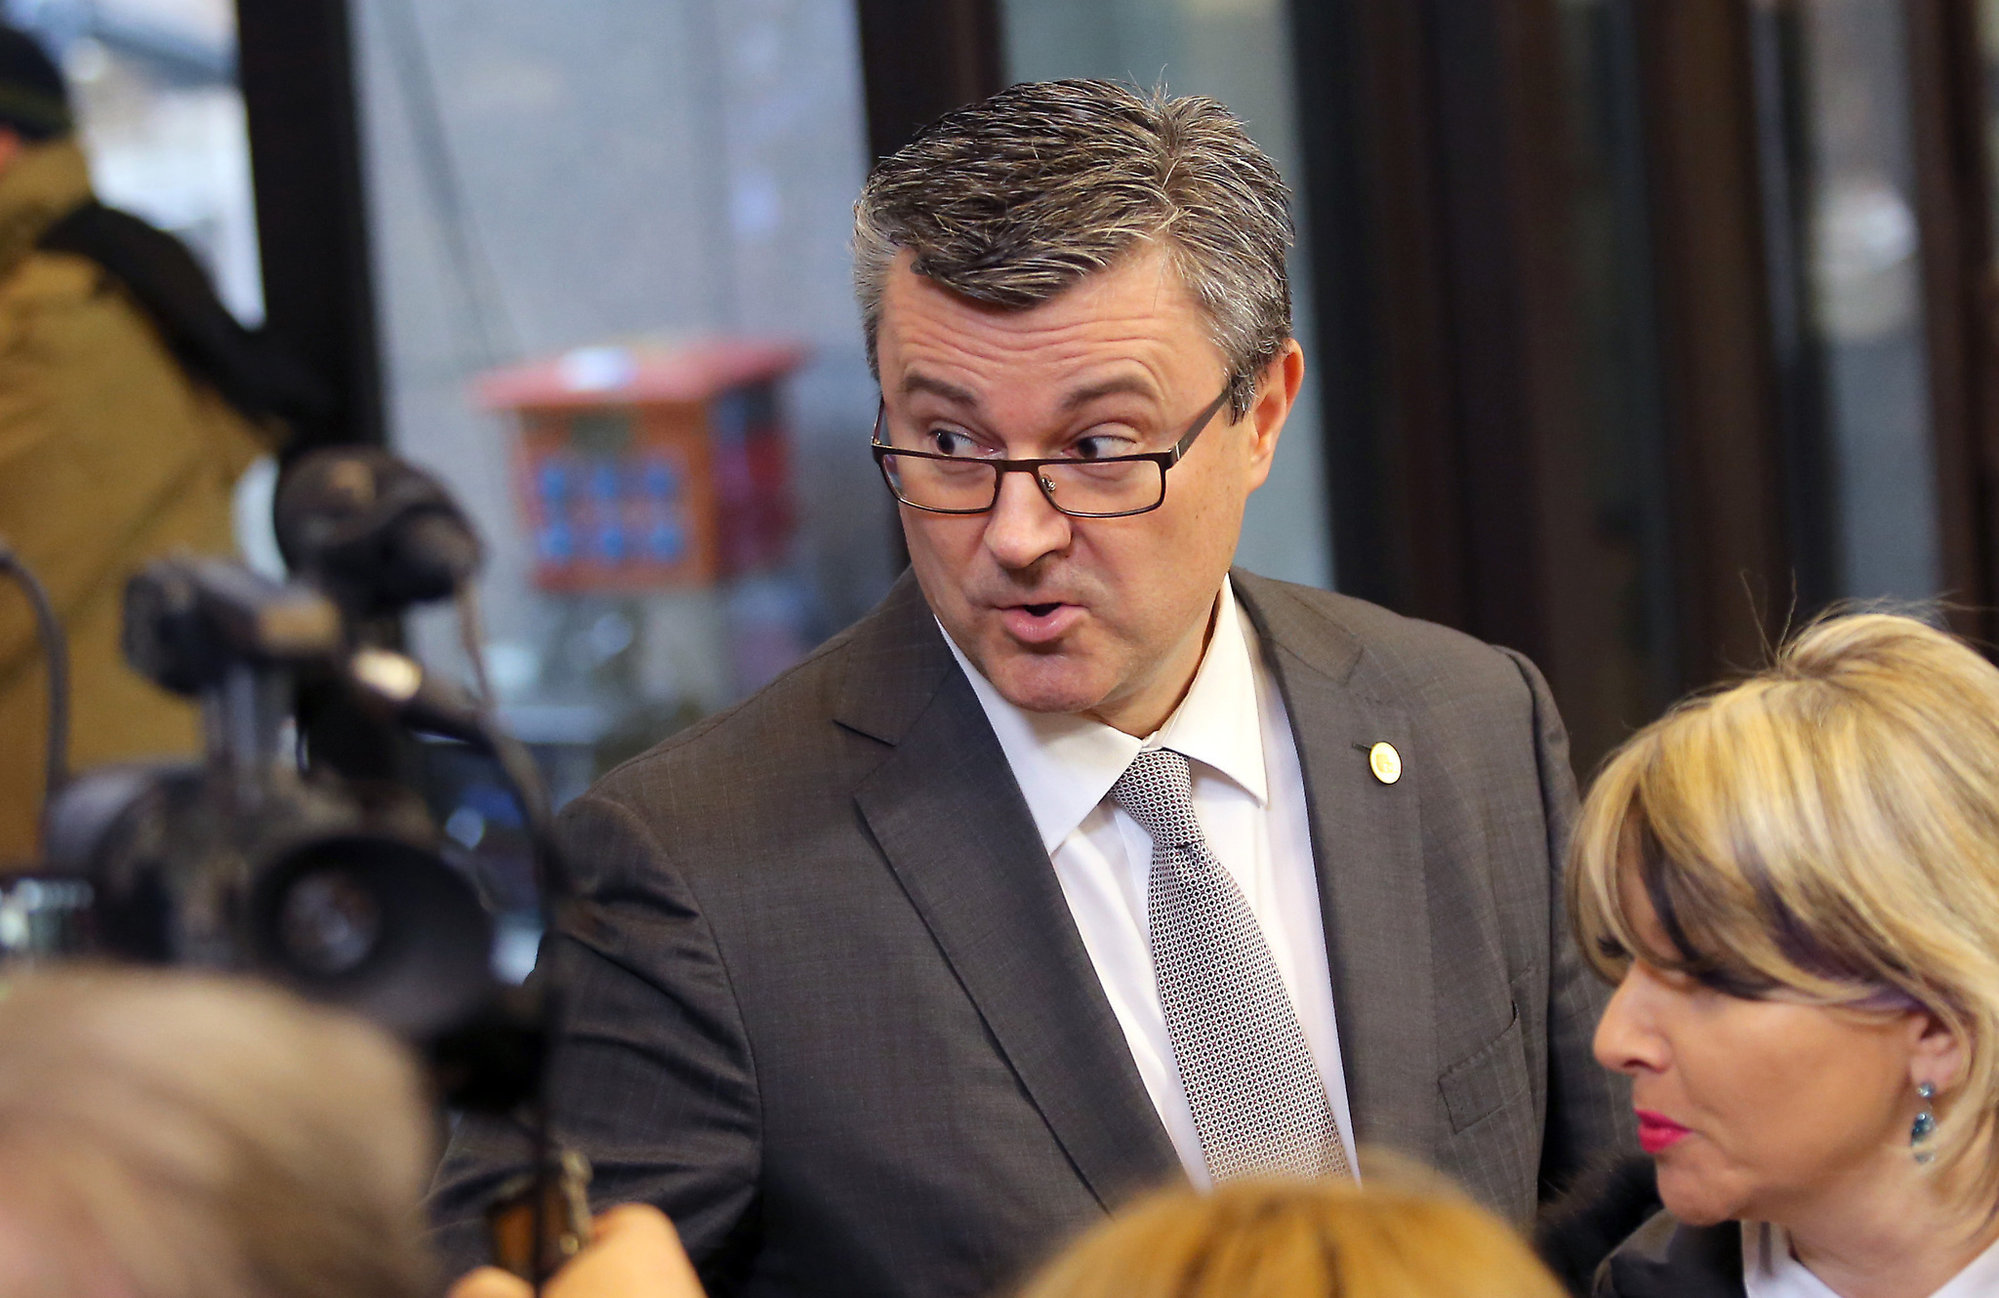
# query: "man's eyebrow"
1129,384
917,382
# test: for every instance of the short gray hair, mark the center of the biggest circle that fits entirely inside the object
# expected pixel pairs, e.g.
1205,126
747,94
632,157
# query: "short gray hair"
1011,200
179,1135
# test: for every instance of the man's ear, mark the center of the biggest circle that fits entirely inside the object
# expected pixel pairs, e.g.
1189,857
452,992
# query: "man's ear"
1276,390
11,145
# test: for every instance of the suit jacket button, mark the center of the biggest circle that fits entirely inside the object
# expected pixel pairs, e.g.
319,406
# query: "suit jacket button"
1385,762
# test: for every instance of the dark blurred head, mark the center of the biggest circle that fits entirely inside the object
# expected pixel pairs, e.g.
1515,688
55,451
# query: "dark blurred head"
34,103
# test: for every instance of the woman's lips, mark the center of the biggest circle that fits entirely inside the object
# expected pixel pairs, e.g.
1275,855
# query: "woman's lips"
1039,623
1657,1132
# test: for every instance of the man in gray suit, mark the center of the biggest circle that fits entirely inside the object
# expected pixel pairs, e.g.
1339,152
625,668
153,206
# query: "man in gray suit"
1081,863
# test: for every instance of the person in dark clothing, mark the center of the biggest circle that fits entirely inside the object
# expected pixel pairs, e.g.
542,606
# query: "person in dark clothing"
1088,861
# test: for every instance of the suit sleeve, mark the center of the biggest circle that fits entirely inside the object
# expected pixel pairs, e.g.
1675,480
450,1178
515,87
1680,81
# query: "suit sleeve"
651,1075
1589,1107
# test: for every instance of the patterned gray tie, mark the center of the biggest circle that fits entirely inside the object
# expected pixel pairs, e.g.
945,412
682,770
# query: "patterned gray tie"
1259,1103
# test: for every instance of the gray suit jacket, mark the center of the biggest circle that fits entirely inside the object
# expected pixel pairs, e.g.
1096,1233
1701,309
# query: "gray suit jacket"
827,1007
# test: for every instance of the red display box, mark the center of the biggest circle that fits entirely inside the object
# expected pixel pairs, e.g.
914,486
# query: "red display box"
646,465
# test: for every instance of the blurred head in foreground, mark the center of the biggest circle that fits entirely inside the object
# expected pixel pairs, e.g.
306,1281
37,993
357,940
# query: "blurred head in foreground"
1404,1234
1794,884
34,101
172,1135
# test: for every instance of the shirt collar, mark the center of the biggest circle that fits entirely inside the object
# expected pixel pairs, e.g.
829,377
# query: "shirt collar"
1066,763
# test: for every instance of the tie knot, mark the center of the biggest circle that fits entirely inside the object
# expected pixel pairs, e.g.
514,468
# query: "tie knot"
1157,791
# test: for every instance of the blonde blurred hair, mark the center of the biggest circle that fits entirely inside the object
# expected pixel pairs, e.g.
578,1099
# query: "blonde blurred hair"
1406,1233
172,1135
1826,831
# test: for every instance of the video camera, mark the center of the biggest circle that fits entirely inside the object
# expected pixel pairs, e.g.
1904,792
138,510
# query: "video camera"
298,847
295,847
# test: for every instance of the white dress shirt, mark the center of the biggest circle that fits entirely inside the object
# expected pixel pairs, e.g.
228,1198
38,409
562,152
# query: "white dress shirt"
1249,796
1770,1270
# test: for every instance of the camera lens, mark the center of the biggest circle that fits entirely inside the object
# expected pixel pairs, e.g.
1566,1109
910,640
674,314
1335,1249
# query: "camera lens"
329,923
376,923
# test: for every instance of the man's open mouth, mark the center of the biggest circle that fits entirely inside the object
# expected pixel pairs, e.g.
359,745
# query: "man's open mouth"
1042,624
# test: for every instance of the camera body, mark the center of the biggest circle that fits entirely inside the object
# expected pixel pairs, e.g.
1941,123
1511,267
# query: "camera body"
325,875
297,847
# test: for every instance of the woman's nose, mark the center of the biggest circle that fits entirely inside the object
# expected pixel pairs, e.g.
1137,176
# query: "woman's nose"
1627,1036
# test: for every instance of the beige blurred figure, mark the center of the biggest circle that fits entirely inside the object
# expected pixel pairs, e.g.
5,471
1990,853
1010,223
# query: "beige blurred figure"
1403,1233
175,1135
180,1135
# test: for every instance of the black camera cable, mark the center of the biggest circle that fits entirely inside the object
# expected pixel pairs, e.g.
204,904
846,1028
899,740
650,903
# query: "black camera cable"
55,651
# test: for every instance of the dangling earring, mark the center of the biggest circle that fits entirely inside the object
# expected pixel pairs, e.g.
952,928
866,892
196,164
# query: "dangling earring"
1925,1123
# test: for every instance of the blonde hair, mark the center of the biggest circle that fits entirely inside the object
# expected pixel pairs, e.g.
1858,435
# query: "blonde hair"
1405,1234
1826,831
171,1135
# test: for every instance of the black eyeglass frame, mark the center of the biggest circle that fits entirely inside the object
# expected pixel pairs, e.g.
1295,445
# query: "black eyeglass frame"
1165,459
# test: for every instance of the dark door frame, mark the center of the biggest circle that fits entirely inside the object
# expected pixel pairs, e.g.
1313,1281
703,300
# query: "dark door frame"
922,58
296,67
1961,295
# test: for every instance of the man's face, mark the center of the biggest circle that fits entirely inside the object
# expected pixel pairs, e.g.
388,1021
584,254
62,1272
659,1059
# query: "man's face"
1103,616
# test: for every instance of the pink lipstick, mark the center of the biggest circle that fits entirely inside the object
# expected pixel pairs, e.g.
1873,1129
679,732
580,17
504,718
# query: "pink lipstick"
1657,1132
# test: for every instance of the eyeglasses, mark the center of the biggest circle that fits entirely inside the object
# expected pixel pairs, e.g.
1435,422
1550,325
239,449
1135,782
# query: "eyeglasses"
1113,487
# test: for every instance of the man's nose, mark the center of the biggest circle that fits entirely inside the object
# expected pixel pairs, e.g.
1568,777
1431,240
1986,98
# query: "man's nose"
1024,526
1627,1039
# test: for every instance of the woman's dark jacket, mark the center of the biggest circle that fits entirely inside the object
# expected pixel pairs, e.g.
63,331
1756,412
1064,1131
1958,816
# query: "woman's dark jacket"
1665,1259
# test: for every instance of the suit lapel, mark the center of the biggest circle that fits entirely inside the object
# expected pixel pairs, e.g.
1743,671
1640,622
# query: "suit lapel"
950,819
1366,847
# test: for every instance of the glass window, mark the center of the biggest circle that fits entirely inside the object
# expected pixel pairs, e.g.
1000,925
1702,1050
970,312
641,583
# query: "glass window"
1239,52
1862,274
1843,285
1618,381
160,116
154,89
612,272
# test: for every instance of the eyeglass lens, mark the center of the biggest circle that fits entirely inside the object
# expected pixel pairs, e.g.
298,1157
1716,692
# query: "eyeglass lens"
1074,487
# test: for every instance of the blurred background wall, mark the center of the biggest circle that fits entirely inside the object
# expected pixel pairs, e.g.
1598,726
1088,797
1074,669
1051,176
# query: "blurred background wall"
1637,329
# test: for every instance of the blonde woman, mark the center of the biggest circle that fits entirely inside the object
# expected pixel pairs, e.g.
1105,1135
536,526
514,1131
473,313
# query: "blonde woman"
1794,884
1403,1235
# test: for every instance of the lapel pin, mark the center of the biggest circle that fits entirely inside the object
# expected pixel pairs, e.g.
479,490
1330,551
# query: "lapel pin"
1385,762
